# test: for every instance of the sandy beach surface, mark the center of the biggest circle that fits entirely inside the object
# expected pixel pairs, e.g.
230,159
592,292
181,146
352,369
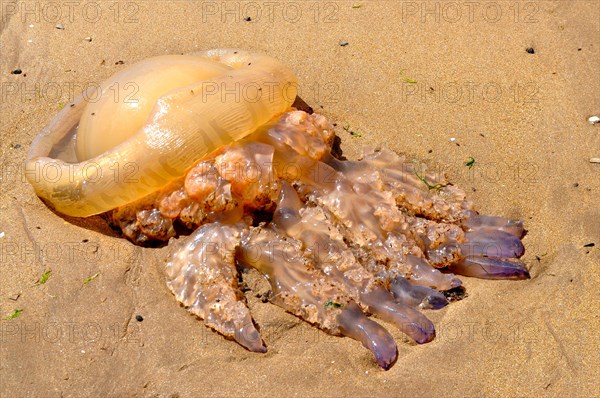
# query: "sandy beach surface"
438,81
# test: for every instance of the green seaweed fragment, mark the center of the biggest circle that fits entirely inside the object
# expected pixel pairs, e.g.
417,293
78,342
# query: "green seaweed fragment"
13,315
91,278
471,162
44,278
407,79
332,304
436,187
353,133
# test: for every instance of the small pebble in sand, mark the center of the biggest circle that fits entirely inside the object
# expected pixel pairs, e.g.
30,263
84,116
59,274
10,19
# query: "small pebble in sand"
530,50
594,160
2,234
88,39
16,72
594,119
452,139
139,318
343,43
248,19
60,26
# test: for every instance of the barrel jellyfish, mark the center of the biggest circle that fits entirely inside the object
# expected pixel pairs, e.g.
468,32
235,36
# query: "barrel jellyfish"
223,160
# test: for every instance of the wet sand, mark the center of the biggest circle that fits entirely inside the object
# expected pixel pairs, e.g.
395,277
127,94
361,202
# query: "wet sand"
438,81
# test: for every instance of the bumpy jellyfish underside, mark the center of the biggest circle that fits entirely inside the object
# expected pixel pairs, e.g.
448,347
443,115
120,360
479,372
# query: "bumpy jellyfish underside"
337,240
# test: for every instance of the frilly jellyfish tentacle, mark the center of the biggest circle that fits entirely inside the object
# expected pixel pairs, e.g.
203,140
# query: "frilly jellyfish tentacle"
417,296
373,336
203,277
475,222
492,243
490,268
409,320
